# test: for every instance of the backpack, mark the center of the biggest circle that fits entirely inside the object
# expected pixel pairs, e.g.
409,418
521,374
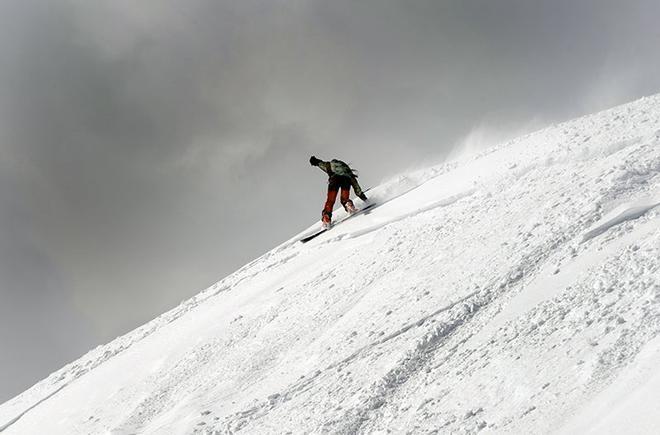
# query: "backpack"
340,168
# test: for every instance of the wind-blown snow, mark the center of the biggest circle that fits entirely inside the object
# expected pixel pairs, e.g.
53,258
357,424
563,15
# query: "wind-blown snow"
514,291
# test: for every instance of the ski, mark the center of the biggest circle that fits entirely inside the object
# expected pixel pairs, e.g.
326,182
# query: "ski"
323,230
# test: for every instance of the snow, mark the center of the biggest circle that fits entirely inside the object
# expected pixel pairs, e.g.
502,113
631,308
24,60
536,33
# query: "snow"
628,401
619,216
512,291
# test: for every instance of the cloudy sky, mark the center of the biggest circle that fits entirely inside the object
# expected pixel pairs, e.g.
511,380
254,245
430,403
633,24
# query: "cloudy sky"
147,149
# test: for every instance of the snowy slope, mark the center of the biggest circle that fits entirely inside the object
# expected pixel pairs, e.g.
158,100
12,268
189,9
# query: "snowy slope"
517,291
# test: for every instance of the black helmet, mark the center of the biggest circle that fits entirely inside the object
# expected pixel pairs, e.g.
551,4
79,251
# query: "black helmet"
314,161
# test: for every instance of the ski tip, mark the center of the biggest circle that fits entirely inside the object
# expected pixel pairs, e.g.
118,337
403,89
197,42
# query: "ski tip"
312,236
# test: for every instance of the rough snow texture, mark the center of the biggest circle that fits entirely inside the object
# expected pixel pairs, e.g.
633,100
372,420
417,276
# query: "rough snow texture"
517,291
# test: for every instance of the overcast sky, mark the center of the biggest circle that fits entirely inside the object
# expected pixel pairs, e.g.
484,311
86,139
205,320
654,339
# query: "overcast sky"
148,149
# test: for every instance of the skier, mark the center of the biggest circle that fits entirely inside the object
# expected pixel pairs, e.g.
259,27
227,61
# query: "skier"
340,176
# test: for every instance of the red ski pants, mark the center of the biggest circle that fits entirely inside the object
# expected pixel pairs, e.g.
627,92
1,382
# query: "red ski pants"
333,189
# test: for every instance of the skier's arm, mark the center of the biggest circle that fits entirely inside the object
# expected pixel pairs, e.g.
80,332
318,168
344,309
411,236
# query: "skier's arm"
357,189
325,167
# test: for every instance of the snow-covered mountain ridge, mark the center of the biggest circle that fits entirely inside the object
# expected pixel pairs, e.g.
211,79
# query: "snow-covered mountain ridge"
516,291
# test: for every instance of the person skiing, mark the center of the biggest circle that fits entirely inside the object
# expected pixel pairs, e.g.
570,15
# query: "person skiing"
340,176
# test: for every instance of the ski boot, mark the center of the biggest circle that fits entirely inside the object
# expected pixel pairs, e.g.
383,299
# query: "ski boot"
326,222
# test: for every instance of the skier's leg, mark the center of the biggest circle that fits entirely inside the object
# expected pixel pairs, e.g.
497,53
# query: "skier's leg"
326,214
345,199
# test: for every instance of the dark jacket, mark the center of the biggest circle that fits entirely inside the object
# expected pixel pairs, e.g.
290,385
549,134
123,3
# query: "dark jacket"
340,174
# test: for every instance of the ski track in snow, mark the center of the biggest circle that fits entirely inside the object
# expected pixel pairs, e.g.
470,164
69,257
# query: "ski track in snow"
515,291
436,204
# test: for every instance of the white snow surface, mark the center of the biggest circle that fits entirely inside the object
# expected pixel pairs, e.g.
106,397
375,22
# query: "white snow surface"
513,291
